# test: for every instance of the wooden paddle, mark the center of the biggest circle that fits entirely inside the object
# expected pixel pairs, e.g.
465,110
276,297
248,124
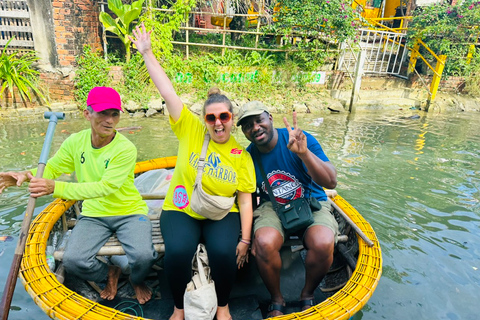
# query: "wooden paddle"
17,258
332,194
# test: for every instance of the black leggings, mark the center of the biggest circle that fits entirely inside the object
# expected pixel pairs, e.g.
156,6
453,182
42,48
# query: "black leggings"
182,233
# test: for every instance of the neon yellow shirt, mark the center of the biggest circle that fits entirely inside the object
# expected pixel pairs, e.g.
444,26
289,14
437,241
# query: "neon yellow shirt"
105,175
228,166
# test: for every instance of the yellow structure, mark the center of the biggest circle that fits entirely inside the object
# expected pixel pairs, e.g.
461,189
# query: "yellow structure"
377,8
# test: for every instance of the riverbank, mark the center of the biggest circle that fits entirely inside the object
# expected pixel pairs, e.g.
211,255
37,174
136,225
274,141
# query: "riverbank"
375,94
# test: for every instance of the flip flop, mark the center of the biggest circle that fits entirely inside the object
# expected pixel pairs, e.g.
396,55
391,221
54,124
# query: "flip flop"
307,304
275,307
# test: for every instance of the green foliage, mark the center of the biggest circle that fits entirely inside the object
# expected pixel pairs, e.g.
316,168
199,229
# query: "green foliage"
16,71
92,72
164,24
310,27
448,30
122,26
332,20
472,75
135,86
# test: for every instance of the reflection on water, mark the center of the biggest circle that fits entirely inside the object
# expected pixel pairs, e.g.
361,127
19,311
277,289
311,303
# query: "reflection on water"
415,178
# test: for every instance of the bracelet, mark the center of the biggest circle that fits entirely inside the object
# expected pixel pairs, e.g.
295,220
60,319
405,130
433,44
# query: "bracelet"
245,241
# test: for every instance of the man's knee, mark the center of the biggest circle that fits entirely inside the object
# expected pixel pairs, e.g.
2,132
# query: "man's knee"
75,265
146,258
267,240
321,242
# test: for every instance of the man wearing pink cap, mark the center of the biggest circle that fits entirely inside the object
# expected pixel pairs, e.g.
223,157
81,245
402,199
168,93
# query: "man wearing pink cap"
103,161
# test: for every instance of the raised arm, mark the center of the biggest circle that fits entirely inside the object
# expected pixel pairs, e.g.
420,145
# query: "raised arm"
157,74
322,172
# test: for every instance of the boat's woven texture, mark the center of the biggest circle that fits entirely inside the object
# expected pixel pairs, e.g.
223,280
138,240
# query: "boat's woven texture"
59,302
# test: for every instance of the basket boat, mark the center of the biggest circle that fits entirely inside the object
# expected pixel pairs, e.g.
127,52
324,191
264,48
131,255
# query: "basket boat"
346,291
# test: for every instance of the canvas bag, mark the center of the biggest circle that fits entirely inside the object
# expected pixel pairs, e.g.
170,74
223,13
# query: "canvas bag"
207,205
200,298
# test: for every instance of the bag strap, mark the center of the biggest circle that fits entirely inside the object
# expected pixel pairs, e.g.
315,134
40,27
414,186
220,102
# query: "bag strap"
201,160
264,176
202,264
265,180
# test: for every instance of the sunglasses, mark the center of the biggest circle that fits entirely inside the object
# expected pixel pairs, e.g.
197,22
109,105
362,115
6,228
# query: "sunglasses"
212,118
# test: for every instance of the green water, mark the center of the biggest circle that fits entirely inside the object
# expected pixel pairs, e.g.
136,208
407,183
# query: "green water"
416,180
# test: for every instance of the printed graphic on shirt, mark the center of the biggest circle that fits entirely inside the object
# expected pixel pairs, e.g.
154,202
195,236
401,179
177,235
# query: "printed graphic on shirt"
106,162
285,186
180,197
82,158
214,168
236,151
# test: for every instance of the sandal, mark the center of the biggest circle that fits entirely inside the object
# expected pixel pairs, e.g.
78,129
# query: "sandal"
275,307
307,304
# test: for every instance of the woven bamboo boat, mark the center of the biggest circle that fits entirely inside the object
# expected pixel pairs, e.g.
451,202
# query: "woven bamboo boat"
60,302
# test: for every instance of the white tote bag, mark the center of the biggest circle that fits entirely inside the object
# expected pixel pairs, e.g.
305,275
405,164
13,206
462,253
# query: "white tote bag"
200,298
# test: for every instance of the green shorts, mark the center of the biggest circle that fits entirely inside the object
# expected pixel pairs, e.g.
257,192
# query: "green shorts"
265,216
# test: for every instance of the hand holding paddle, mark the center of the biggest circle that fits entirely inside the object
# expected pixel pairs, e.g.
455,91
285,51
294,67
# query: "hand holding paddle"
6,180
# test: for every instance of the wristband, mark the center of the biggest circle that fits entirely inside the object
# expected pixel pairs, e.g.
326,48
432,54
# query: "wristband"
245,241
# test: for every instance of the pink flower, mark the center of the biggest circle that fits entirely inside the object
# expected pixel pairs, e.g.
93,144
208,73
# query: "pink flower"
325,19
460,16
470,7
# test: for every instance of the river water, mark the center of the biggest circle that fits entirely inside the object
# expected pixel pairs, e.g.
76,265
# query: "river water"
414,176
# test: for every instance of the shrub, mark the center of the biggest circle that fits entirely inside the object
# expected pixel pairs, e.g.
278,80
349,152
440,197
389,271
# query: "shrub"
16,71
447,30
92,72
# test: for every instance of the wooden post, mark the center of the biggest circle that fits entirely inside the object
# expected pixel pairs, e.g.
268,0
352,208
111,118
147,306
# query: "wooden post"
104,37
224,32
259,19
186,37
436,78
358,79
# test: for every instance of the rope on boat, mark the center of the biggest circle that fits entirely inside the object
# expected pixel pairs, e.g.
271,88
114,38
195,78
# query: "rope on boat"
132,306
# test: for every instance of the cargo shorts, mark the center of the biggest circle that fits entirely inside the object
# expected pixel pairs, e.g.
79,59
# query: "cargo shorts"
265,216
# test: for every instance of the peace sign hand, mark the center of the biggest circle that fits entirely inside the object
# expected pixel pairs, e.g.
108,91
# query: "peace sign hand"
297,141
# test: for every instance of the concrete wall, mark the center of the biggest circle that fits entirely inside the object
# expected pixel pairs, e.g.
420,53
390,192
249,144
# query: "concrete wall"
60,29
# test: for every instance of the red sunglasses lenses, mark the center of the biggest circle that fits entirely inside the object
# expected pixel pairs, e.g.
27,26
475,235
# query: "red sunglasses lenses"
224,117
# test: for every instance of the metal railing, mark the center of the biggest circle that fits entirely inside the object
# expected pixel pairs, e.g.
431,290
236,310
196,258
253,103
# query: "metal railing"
385,53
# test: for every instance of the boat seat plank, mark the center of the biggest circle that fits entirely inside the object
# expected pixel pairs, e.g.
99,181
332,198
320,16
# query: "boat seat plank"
114,247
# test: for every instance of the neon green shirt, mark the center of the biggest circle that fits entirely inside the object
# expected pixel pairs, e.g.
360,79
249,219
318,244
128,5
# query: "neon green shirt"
228,166
105,175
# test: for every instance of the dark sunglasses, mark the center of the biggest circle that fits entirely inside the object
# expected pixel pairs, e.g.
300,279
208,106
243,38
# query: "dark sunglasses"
212,118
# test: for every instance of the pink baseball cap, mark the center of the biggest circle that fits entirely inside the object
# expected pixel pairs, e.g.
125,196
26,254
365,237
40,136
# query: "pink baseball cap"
103,98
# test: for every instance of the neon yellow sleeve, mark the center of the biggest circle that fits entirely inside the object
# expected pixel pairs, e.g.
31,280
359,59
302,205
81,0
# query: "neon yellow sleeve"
112,180
61,162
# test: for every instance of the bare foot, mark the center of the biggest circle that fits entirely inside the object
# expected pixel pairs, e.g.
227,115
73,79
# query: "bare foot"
223,313
178,314
112,281
142,292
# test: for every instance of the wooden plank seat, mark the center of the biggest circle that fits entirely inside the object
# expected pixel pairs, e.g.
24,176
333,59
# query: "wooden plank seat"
114,247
